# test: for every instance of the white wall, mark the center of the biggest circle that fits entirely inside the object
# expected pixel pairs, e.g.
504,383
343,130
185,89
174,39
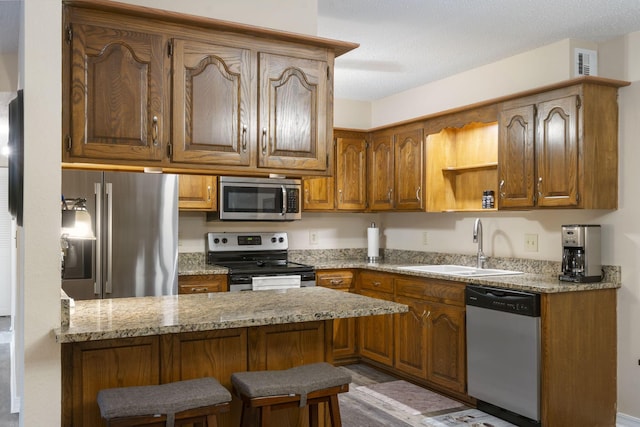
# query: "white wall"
39,238
8,72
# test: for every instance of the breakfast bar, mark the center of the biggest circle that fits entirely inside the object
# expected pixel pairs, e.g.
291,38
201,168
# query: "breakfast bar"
155,340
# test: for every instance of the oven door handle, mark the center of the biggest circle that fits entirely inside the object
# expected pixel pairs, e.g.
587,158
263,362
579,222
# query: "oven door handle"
284,200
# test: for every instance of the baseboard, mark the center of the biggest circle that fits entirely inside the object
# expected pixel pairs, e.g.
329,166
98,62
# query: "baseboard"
15,399
624,420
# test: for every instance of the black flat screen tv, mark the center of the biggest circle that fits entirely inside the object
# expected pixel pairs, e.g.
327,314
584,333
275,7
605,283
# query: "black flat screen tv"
16,157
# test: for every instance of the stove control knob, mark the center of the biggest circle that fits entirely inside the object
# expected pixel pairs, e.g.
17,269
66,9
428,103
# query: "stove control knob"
216,240
273,240
224,240
281,239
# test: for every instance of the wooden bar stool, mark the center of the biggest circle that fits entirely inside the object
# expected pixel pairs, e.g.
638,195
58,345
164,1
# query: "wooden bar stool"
300,386
177,403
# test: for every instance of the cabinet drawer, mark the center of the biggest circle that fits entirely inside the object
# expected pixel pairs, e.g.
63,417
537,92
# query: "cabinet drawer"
376,282
335,279
432,289
202,284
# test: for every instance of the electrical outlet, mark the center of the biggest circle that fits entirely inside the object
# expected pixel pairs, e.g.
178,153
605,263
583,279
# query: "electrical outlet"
313,237
425,238
531,242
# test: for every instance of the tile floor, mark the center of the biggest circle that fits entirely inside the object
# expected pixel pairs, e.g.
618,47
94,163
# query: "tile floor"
7,419
376,399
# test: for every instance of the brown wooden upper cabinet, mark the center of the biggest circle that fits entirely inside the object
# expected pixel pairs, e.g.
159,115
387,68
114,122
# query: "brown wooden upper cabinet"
142,87
117,94
559,149
396,170
197,193
348,190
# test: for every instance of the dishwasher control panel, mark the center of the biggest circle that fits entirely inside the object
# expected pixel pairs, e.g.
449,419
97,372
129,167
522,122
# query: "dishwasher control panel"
516,302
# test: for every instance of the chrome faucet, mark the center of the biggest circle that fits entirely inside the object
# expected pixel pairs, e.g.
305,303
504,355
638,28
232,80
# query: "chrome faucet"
477,238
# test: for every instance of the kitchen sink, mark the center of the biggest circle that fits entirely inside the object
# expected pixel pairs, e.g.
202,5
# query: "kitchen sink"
459,270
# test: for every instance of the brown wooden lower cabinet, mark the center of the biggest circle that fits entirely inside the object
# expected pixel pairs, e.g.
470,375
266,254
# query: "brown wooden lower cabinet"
344,330
411,338
201,284
446,346
376,333
88,367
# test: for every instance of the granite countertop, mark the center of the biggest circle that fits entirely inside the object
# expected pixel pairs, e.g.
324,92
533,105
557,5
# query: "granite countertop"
531,282
133,317
540,276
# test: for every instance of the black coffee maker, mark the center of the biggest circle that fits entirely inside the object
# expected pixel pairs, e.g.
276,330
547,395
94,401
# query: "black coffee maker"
581,254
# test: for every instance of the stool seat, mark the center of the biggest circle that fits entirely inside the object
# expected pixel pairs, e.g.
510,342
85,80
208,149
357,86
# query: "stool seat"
320,382
163,399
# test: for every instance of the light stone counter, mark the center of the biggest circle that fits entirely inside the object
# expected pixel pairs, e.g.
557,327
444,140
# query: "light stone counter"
531,282
133,317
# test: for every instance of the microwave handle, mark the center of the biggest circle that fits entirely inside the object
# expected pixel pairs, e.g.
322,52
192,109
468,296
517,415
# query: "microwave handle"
284,200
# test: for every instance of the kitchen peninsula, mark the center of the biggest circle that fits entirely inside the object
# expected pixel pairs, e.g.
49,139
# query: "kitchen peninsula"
152,340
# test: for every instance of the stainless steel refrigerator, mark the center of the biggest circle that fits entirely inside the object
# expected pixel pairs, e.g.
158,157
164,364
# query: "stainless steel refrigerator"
135,221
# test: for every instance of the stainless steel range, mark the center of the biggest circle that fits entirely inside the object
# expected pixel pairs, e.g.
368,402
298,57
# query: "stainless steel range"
257,261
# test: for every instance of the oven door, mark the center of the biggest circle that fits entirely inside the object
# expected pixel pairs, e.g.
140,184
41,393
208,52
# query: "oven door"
255,199
247,282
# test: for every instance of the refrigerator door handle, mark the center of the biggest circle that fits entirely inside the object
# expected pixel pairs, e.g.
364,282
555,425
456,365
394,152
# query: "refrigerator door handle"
97,285
109,231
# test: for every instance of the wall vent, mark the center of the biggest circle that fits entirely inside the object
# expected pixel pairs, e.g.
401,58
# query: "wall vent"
586,62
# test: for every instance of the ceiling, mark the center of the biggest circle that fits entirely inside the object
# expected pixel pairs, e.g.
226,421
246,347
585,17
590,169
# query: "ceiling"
408,43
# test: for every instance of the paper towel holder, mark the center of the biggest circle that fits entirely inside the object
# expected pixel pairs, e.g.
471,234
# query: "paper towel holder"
373,244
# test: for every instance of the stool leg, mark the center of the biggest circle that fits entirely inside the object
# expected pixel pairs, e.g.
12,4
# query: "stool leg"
334,410
313,415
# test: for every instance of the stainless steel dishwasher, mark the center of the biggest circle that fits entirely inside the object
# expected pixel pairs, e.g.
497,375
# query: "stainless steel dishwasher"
503,353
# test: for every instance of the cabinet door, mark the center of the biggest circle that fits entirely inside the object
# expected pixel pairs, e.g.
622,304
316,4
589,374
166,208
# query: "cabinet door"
411,338
351,173
381,172
376,333
557,152
293,122
119,96
95,365
318,194
446,346
344,330
408,175
516,157
212,104
197,193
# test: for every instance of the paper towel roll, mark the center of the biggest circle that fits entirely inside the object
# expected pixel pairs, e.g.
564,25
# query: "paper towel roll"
373,242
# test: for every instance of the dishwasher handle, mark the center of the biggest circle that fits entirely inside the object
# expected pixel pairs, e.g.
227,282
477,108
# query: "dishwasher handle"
516,302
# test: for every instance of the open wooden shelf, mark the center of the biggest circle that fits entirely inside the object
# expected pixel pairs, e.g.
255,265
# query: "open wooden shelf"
462,163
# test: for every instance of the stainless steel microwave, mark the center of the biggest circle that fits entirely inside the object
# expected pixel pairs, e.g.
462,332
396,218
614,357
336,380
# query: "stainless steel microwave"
259,199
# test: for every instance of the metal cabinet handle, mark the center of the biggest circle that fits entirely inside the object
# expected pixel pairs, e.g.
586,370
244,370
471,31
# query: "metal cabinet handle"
501,189
540,187
418,194
340,196
199,290
376,284
244,138
154,130
264,140
208,193
284,200
336,282
390,194
306,195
